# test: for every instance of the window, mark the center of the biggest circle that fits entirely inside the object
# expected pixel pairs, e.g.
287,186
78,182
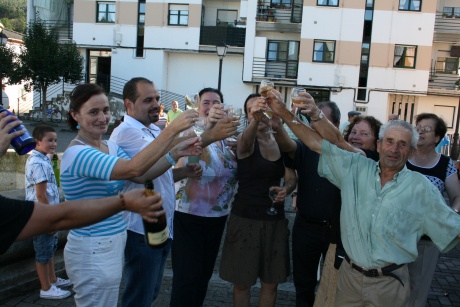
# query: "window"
283,4
178,15
324,51
450,12
106,12
410,5
327,2
140,29
447,65
404,56
282,59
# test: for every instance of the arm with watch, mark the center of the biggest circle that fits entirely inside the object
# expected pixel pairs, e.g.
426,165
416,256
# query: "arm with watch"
312,138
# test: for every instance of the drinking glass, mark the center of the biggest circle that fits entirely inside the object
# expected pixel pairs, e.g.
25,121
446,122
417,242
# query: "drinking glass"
272,194
200,125
269,113
295,93
228,109
191,101
265,87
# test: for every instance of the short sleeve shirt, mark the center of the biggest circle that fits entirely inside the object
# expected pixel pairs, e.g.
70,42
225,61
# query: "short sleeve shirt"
39,169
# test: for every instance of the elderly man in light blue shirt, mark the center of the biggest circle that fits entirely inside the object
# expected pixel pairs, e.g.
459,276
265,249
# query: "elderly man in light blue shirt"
386,208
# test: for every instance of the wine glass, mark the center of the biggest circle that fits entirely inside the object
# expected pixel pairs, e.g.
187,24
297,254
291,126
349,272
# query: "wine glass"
272,194
227,108
191,101
269,113
236,112
265,87
295,93
200,125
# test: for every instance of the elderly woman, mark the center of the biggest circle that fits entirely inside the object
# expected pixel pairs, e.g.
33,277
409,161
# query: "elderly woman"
202,208
363,133
440,170
94,168
257,243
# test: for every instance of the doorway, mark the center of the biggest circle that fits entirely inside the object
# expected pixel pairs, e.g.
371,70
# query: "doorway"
99,63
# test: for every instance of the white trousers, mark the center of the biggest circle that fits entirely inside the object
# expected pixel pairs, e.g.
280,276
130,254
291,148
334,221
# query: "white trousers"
95,265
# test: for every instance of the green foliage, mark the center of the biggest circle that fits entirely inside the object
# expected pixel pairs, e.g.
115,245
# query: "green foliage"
457,82
44,60
7,60
13,14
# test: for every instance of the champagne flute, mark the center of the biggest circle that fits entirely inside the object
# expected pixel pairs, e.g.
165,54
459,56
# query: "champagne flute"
269,113
272,194
265,87
200,125
295,94
191,101
237,112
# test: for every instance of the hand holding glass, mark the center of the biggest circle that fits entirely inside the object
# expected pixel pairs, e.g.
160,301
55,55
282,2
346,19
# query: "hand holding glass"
295,94
272,194
200,125
265,87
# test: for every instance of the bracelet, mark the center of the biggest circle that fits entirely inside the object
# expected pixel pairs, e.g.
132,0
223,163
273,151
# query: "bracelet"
170,159
123,203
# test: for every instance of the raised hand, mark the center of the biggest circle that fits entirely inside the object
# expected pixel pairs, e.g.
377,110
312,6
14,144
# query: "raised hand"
216,113
188,147
184,121
224,128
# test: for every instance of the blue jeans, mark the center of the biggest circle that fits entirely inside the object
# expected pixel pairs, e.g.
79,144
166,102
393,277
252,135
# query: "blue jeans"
143,271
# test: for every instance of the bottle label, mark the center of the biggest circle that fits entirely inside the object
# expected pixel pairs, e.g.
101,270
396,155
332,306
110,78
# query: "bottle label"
158,237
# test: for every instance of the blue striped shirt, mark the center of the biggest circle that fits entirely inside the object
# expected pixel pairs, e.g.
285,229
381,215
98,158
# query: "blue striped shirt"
85,174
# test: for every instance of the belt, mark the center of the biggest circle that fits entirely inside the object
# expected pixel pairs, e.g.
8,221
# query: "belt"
314,221
385,271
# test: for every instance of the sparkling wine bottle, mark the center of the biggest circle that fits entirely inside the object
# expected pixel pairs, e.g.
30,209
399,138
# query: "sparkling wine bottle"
56,169
156,234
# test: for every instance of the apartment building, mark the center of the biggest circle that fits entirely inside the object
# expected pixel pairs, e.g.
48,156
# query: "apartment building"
376,56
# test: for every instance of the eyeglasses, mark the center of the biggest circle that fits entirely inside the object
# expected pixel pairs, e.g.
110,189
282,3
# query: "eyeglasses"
425,129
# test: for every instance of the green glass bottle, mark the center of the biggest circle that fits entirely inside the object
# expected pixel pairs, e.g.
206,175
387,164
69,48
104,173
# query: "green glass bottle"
56,169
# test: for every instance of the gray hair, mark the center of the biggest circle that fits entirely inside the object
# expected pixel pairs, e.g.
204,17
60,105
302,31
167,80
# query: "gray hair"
335,111
403,124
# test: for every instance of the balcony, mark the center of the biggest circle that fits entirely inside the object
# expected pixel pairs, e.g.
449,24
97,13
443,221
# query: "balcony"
229,34
279,17
281,70
63,29
446,28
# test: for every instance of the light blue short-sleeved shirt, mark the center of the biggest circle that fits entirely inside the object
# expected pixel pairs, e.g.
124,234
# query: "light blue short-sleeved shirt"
379,225
39,169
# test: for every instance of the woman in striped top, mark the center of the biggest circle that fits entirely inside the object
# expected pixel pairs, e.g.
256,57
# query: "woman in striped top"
95,168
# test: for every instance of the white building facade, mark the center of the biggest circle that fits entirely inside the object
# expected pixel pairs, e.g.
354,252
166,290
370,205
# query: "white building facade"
376,56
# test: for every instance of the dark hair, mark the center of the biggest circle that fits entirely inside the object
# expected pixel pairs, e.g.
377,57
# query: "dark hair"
439,130
373,123
246,102
212,90
130,88
40,131
335,111
81,94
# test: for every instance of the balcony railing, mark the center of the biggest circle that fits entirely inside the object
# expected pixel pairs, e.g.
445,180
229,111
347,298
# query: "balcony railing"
274,69
446,29
231,36
64,29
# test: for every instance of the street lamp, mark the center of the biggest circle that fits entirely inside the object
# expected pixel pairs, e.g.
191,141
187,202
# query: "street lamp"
3,40
221,49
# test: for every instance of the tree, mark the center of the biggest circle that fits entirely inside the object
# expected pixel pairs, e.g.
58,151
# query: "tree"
8,62
44,61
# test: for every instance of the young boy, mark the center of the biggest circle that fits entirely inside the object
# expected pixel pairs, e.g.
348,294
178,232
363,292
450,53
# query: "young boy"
41,186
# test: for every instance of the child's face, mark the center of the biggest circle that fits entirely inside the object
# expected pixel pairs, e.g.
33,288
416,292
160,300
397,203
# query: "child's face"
48,144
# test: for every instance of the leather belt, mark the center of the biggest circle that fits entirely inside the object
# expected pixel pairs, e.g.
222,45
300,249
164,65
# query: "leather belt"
385,271
314,221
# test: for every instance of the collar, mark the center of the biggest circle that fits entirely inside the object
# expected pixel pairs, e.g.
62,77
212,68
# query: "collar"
401,173
137,124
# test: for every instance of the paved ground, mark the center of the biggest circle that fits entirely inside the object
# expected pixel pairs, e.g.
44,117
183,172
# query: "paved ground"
445,287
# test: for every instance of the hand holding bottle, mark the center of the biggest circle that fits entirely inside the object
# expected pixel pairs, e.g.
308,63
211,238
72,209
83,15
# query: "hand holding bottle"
13,132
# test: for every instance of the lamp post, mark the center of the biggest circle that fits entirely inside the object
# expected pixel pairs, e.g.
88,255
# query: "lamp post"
3,40
221,49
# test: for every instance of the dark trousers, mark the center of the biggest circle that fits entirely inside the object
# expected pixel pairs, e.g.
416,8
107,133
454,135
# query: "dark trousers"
194,252
309,242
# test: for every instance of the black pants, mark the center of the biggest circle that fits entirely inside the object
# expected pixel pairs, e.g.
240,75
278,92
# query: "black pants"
194,252
309,241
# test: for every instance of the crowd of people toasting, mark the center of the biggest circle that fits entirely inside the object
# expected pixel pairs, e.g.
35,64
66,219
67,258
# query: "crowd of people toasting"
370,197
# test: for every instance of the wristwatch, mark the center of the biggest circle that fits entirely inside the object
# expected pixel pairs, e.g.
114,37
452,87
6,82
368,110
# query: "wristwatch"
320,117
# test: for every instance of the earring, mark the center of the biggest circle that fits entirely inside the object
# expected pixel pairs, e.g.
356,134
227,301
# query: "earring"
78,127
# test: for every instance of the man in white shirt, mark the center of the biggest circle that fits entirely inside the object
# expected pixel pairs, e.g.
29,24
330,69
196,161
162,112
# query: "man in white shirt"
144,265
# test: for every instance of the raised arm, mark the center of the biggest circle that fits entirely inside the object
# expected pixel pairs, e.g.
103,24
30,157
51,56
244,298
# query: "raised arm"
145,159
286,144
246,139
453,191
305,133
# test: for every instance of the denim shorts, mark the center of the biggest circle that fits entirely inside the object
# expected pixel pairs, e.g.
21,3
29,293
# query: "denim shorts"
45,246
